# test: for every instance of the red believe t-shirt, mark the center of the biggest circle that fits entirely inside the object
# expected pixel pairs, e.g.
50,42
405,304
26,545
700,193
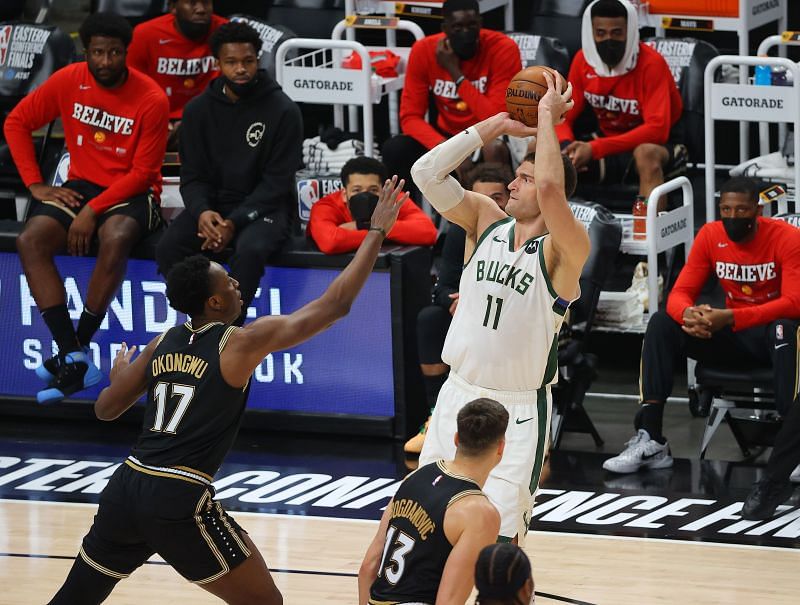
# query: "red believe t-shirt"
638,107
115,136
761,278
181,67
481,95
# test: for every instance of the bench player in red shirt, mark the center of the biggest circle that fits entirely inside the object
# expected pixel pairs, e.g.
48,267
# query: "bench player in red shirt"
757,263
466,69
115,129
633,97
173,49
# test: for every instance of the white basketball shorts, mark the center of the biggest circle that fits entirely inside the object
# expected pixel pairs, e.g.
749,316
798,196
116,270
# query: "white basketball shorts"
513,483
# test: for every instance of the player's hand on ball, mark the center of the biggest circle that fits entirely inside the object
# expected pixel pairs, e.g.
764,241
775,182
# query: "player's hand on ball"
554,102
513,127
390,200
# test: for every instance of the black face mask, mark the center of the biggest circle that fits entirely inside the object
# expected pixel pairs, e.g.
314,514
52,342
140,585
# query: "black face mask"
241,90
464,43
362,205
193,31
738,228
611,52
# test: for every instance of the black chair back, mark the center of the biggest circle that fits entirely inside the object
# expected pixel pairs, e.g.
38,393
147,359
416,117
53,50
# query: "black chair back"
308,18
272,36
29,54
541,50
138,10
561,19
605,234
687,59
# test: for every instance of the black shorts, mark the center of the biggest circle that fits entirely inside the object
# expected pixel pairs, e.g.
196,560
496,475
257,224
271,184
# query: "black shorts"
143,208
621,167
141,514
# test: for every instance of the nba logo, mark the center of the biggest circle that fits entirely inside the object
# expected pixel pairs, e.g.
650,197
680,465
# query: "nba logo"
779,332
307,196
5,40
62,171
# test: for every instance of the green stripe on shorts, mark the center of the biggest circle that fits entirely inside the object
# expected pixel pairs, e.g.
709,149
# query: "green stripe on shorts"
541,410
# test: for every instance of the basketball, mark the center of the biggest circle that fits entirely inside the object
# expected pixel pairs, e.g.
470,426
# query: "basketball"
525,90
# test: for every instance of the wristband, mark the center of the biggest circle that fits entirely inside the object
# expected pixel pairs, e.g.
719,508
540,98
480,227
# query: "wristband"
459,80
380,230
362,224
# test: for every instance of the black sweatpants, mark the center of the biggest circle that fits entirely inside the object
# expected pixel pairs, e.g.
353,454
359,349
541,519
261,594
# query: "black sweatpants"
433,322
252,247
666,345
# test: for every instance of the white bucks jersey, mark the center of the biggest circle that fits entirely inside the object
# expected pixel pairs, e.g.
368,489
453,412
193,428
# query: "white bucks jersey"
504,334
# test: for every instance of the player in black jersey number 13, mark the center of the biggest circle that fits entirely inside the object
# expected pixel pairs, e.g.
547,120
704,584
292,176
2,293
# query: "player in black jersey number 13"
161,499
432,530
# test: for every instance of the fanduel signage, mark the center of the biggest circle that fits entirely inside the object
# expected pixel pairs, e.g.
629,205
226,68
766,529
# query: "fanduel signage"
307,378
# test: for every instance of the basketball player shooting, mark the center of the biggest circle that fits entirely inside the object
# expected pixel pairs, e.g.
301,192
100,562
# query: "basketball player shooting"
520,275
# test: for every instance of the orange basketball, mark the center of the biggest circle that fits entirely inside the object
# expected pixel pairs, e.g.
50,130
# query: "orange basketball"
525,90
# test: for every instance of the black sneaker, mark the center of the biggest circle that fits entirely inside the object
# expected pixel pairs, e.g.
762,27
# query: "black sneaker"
765,496
75,373
49,369
676,166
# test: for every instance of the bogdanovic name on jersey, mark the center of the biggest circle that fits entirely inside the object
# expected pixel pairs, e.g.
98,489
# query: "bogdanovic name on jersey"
415,513
504,274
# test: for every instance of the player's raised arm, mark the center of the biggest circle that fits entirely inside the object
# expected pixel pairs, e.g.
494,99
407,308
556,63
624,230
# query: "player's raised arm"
248,346
431,173
568,238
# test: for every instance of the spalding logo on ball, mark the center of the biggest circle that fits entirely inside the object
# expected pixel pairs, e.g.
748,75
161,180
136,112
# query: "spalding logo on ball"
525,90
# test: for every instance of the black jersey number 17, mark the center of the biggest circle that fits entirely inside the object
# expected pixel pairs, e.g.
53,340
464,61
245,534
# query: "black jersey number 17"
183,392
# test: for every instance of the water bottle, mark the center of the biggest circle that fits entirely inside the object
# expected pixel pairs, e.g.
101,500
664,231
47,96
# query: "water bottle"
640,218
763,75
780,77
375,87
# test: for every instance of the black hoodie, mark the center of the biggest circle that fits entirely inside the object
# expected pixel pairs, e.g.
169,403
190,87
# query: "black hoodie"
239,158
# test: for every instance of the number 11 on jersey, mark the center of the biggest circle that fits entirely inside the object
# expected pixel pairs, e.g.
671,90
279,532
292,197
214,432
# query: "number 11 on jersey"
488,315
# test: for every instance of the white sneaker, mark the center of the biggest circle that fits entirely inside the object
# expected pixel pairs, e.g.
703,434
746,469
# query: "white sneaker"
795,476
641,451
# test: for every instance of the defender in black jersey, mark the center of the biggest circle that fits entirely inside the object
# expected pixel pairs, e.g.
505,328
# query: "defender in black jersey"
196,375
431,533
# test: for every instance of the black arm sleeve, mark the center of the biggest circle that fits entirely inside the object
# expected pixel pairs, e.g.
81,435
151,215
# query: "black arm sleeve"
197,193
274,189
451,266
